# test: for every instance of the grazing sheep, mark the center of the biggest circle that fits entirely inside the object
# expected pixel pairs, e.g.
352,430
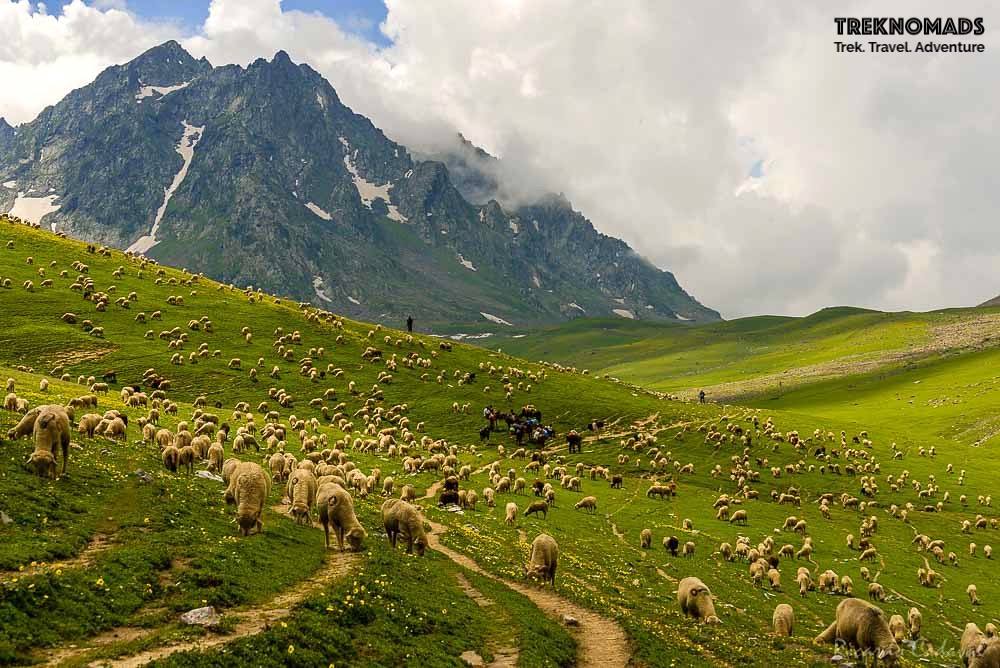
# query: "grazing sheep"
861,625
783,620
979,650
688,549
536,507
695,600
25,427
543,559
185,459
876,591
401,519
511,510
973,594
588,503
252,487
738,517
336,508
897,627
301,491
216,454
51,435
171,458
670,544
645,539
916,620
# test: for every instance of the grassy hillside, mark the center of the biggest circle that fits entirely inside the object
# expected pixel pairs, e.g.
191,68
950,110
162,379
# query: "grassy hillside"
762,355
99,564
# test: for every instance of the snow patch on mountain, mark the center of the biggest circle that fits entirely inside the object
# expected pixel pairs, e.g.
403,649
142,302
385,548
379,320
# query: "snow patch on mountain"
496,319
185,147
623,313
466,263
320,289
163,91
33,209
318,211
367,190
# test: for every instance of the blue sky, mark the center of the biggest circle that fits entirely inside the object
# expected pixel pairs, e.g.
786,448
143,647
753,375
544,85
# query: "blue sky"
359,16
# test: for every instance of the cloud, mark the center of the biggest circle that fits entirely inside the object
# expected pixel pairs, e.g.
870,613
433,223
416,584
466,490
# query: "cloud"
876,179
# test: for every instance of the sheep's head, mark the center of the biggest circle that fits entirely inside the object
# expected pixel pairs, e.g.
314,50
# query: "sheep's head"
247,522
42,463
534,571
420,546
712,619
356,536
889,654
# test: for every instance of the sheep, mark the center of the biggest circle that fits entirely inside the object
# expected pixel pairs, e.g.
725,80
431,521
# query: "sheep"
774,577
301,491
876,591
543,559
216,454
897,627
979,650
915,620
670,544
252,487
862,626
336,509
25,427
511,510
783,620
645,539
171,456
51,435
973,594
695,600
537,507
687,550
588,503
401,519
738,517
186,458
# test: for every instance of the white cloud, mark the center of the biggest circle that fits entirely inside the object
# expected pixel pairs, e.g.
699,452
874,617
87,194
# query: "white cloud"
878,185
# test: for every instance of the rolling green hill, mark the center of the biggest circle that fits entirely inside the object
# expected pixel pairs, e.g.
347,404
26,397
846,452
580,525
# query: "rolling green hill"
98,566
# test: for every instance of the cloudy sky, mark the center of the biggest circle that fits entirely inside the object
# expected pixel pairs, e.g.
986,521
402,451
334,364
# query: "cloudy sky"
726,141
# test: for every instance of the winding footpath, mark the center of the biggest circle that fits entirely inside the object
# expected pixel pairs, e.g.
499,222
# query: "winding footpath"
601,642
249,620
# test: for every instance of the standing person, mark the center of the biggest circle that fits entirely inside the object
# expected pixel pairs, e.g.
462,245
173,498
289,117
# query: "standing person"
409,323
701,396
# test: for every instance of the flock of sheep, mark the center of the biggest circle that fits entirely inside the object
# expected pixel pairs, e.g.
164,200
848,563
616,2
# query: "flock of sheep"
323,481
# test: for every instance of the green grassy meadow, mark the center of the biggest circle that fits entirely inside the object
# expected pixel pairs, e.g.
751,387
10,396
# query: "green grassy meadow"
98,565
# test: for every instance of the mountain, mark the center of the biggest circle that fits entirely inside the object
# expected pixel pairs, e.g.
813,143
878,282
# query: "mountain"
262,176
990,302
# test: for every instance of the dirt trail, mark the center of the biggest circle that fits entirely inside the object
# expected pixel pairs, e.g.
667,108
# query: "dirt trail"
504,657
602,643
99,543
250,621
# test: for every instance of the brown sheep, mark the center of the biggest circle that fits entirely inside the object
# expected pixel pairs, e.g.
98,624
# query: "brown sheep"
862,626
543,559
251,491
783,620
401,519
336,508
301,491
51,434
695,600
